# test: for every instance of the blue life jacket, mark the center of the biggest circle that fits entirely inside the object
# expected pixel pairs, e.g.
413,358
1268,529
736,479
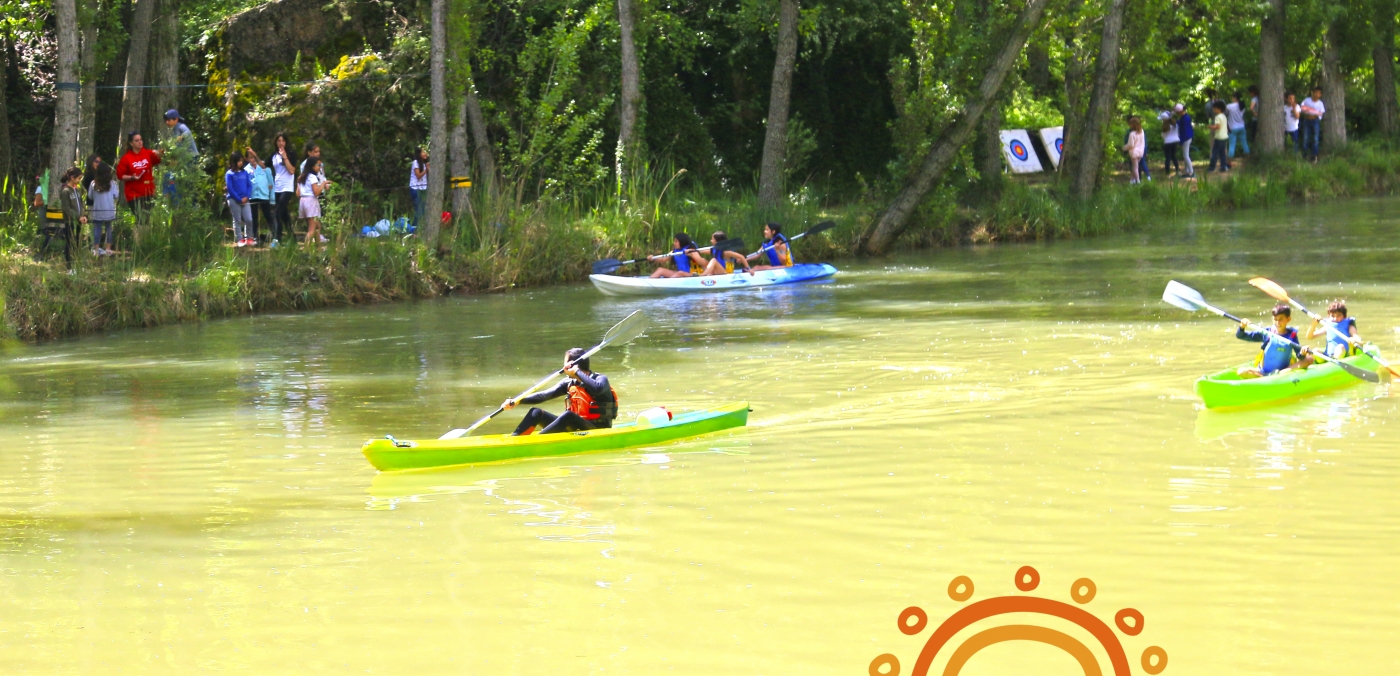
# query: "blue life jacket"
1336,347
1276,354
682,259
774,257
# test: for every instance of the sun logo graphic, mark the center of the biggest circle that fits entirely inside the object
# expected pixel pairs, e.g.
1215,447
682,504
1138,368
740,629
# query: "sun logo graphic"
954,655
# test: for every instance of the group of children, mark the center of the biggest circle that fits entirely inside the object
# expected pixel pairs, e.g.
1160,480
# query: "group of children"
252,186
688,259
1282,349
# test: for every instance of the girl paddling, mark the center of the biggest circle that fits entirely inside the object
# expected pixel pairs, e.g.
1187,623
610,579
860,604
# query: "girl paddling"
723,262
775,249
684,254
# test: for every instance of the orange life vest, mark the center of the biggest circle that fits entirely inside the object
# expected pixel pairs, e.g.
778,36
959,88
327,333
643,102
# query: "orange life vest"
588,408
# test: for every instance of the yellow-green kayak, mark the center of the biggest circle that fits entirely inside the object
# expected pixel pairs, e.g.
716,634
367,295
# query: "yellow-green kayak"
1227,389
399,454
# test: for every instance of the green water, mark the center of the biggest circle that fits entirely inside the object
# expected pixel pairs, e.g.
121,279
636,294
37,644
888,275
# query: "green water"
192,499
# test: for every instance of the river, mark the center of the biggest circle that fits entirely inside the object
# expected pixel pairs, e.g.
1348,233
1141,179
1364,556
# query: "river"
192,499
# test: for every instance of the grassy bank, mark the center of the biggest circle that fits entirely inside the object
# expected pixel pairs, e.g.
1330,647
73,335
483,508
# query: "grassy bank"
177,268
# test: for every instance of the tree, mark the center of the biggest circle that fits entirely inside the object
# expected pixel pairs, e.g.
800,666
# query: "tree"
1090,146
164,65
882,233
1383,59
1269,139
65,120
137,51
481,142
774,166
627,141
437,126
88,73
4,108
1334,89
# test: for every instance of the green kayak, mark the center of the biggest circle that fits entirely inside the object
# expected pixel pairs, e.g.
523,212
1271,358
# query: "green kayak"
1227,389
398,454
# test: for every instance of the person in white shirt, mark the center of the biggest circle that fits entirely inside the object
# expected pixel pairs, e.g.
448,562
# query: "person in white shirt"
1136,147
284,185
418,184
1311,122
1234,115
1171,143
1291,111
310,185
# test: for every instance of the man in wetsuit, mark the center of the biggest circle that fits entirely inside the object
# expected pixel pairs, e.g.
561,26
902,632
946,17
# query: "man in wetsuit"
592,402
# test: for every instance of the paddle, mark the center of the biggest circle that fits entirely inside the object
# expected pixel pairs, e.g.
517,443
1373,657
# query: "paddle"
607,266
814,230
622,333
1277,291
1191,300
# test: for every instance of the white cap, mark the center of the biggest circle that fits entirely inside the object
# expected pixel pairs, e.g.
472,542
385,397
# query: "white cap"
1180,108
1164,116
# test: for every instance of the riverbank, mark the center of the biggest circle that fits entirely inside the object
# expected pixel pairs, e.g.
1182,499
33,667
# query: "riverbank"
164,281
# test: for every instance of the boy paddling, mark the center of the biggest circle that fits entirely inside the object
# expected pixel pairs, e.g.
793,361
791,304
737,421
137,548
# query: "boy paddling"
1337,348
1277,353
592,402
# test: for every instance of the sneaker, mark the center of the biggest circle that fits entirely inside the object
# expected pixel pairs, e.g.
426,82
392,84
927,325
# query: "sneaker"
97,252
323,239
237,243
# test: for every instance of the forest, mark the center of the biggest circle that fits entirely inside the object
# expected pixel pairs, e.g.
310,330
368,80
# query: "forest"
595,127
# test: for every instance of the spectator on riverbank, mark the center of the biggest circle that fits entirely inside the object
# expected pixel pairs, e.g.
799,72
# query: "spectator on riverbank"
136,169
313,151
1171,144
1185,131
103,191
1234,115
284,185
1312,111
70,202
1291,113
1219,135
1136,147
180,136
309,186
418,183
260,175
90,172
1253,124
238,190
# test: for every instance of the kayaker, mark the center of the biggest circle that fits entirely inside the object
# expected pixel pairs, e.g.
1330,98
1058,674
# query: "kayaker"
592,402
1336,347
1275,355
684,254
723,262
775,249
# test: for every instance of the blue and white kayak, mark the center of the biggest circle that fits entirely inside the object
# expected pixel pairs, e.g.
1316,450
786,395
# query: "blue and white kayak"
614,285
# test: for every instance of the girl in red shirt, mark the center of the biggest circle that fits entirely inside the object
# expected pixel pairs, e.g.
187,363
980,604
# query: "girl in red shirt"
136,169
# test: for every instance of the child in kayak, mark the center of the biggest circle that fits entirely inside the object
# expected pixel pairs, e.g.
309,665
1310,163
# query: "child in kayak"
775,249
1336,347
684,254
723,262
1276,354
592,402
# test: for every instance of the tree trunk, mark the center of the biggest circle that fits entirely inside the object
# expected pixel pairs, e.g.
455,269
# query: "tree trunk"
65,119
774,166
481,144
437,127
1076,65
631,92
460,152
1269,138
5,156
164,70
137,50
89,74
1090,146
1383,55
881,234
1334,91
988,154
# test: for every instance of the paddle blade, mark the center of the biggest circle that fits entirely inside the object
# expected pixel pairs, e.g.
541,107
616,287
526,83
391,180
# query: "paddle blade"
820,228
1183,296
731,244
627,329
606,266
1270,287
1357,371
453,434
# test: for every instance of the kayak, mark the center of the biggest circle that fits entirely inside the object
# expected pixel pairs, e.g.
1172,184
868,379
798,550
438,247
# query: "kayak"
614,285
390,454
1227,389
